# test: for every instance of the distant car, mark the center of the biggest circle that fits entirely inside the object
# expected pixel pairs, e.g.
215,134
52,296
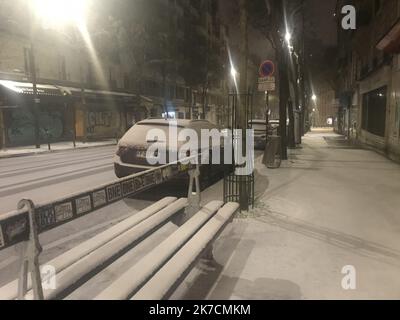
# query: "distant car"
260,133
131,156
274,127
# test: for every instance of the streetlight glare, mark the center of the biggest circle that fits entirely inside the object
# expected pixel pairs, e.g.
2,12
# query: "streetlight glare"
288,36
314,97
61,12
233,72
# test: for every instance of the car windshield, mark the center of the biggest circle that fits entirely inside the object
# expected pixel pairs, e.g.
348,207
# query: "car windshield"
141,134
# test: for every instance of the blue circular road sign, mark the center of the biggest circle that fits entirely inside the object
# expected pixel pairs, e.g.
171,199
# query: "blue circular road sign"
267,69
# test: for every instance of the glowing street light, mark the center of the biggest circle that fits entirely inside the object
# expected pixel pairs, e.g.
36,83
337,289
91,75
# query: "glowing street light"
61,12
288,37
233,72
52,13
314,98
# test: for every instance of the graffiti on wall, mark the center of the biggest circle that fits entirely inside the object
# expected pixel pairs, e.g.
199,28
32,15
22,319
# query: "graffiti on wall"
99,119
21,128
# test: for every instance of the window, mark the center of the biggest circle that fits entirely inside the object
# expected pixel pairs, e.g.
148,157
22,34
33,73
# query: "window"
127,82
171,92
90,75
180,93
112,81
374,111
63,68
26,60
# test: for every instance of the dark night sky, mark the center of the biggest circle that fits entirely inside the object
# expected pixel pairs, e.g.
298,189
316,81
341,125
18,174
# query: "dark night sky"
319,15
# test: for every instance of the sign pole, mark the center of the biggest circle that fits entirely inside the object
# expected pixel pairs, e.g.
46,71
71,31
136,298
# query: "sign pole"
267,114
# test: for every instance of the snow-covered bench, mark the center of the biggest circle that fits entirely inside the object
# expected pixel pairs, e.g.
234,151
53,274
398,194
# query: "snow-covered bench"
80,263
158,273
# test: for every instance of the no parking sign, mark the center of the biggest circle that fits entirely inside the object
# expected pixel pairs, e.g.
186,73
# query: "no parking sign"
267,69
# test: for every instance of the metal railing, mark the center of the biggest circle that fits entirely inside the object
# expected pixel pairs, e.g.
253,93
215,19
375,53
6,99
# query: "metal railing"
15,225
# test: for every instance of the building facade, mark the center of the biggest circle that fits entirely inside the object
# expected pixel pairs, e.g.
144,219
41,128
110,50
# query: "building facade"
369,76
86,89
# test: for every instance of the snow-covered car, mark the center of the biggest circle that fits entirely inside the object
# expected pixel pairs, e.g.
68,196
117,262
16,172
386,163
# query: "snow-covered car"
132,153
273,127
260,133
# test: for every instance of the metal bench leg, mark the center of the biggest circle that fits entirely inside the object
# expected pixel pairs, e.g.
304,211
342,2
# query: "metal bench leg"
30,252
194,199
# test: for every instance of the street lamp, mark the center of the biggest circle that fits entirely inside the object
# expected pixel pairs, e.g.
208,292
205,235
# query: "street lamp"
314,98
288,37
51,13
233,72
61,12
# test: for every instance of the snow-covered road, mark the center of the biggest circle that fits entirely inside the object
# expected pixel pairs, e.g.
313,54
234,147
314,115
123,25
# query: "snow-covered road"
52,176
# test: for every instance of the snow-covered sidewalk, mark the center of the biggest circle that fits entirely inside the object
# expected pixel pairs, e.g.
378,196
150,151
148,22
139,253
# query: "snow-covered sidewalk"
55,147
329,206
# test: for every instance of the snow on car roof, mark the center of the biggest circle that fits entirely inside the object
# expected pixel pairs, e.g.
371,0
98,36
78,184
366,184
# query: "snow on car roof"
257,121
178,122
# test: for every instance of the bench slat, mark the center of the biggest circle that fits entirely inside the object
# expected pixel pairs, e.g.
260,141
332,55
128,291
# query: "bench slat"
10,291
159,285
126,285
71,275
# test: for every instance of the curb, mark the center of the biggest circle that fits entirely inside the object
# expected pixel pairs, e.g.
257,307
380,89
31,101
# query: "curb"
35,153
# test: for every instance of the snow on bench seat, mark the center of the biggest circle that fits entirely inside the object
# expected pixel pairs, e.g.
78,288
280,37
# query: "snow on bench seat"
72,275
126,285
10,291
160,284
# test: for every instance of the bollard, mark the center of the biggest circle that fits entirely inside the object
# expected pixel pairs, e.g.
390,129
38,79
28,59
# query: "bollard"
73,138
272,155
194,199
48,135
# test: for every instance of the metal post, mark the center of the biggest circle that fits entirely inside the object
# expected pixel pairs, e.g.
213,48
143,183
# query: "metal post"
2,130
194,198
30,252
73,131
267,110
36,100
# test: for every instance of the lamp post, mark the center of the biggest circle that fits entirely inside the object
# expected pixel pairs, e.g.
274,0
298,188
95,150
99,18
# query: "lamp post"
33,79
54,14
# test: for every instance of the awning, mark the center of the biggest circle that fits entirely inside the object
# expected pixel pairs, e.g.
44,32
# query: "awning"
390,43
26,88
94,95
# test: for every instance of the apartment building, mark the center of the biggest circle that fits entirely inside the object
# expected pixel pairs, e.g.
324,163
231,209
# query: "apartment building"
369,76
89,89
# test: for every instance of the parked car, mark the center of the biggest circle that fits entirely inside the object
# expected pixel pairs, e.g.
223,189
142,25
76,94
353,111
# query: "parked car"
131,155
274,127
260,133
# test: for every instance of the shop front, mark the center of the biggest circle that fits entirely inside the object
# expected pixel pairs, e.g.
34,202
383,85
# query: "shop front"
102,114
18,119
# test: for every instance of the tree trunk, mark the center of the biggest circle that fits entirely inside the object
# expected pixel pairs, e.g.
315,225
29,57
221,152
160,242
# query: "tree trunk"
294,76
302,98
204,102
291,137
242,107
164,90
283,95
